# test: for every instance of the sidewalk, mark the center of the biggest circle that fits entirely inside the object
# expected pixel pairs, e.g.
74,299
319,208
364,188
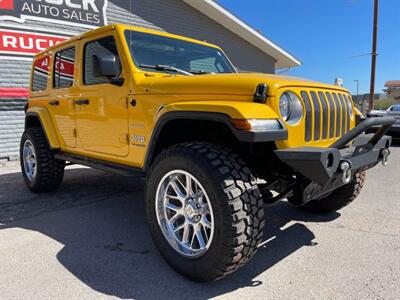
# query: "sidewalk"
7,167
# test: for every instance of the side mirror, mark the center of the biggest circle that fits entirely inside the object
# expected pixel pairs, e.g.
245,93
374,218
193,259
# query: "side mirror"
106,65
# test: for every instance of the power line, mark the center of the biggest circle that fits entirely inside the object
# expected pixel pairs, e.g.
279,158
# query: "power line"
360,55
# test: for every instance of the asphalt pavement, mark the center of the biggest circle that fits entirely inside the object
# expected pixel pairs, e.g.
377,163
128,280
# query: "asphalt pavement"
89,240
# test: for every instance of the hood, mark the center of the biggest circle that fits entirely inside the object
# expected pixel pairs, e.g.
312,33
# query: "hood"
229,84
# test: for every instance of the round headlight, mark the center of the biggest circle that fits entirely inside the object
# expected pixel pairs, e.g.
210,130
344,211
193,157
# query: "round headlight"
290,107
284,106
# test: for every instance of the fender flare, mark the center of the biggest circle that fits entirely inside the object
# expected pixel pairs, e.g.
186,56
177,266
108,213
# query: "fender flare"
46,123
242,136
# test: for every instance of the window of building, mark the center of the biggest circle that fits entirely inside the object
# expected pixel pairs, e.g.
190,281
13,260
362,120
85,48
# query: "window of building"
105,46
40,74
64,64
207,64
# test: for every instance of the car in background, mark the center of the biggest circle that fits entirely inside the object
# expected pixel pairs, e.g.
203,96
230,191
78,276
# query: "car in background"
393,111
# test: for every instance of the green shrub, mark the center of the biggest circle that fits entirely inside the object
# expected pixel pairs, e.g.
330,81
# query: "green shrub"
384,104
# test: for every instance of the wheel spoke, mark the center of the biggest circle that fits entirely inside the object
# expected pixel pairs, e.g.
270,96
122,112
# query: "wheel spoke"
189,188
199,237
177,189
206,210
205,222
173,207
185,234
205,231
179,227
200,196
184,185
174,197
174,218
192,239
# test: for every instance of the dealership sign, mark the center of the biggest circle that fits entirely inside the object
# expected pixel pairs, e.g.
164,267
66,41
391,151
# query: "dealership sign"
82,13
14,43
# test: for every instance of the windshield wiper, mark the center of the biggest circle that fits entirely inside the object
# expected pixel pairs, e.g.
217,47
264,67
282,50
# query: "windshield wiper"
200,72
165,68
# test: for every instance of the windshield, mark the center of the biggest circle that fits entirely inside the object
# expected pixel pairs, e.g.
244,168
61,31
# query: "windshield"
156,52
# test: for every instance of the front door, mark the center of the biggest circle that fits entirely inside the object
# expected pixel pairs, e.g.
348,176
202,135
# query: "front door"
101,111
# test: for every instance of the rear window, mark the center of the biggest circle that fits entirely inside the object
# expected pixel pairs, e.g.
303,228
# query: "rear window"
64,64
40,74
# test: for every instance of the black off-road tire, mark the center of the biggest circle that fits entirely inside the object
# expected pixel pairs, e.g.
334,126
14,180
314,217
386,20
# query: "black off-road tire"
50,171
236,203
339,198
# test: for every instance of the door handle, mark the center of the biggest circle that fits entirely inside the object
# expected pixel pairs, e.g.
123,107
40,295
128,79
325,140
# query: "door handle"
82,102
54,103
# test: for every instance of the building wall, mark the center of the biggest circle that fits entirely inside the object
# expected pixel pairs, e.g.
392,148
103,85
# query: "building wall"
173,16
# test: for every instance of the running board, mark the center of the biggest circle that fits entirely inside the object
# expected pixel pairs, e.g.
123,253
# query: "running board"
100,164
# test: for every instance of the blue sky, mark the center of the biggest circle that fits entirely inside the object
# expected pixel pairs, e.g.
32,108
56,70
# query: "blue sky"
325,35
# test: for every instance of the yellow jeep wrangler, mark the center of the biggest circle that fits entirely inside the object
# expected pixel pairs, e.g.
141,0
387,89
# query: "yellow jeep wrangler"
214,144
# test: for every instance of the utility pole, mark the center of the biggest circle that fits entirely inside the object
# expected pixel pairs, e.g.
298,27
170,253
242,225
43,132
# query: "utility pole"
374,54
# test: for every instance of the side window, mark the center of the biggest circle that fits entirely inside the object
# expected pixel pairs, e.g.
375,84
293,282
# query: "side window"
64,64
104,46
396,108
40,74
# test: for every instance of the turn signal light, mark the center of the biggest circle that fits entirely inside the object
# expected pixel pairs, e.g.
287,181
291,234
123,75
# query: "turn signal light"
257,125
241,124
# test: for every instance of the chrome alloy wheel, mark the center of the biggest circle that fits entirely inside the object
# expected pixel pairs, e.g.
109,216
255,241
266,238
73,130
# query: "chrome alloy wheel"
29,160
184,213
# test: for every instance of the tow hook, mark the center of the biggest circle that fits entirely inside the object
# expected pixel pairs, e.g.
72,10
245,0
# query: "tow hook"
345,168
385,155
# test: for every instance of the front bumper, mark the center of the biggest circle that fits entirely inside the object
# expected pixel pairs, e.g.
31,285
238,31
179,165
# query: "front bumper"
326,169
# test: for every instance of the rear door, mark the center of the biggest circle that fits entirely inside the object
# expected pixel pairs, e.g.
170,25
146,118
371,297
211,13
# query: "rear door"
101,111
63,93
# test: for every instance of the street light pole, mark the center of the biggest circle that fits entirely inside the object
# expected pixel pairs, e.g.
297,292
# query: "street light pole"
358,86
374,54
359,101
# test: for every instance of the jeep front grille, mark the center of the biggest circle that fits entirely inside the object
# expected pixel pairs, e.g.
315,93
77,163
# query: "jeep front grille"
327,114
